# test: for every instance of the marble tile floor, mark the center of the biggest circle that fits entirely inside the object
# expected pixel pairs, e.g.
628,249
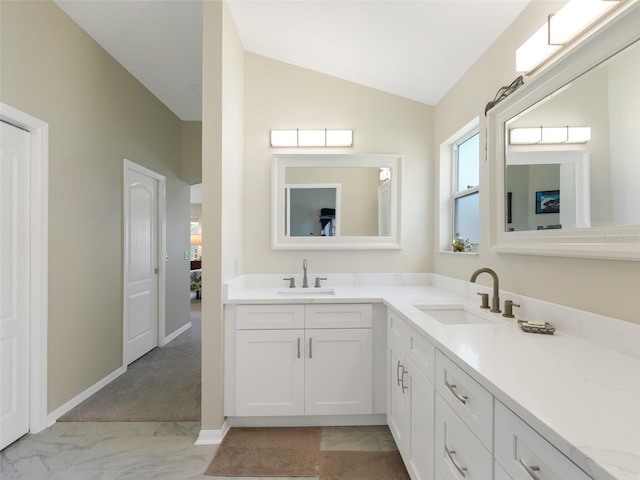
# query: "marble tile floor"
143,451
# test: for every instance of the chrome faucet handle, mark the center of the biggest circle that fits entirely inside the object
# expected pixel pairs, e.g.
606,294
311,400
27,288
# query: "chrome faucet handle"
508,309
305,284
485,300
318,279
292,281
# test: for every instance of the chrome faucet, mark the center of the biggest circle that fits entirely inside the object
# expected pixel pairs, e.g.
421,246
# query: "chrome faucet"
305,283
495,301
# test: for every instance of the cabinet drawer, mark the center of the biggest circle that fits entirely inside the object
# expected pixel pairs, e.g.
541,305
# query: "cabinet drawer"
339,316
519,447
459,454
258,317
396,328
423,354
466,397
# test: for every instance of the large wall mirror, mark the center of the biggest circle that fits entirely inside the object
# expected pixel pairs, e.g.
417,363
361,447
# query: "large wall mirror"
573,199
336,201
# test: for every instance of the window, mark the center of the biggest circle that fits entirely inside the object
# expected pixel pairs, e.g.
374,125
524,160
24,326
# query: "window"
466,190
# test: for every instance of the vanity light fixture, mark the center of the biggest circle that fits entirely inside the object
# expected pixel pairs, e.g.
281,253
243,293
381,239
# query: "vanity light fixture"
575,18
311,138
549,135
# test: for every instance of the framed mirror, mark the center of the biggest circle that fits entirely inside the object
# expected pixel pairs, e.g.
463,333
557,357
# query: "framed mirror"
329,201
565,154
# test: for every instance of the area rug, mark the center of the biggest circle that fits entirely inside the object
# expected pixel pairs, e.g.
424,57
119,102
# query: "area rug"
268,452
343,465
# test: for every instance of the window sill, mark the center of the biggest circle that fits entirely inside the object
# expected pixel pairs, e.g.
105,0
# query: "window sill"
449,252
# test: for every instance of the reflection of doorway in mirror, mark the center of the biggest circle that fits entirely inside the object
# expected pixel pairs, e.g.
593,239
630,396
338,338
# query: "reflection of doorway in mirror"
312,210
384,210
538,171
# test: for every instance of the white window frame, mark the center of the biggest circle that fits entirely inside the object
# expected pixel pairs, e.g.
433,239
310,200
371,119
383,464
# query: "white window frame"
454,180
446,188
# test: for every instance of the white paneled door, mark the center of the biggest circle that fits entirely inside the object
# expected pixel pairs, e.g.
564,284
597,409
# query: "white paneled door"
141,276
14,283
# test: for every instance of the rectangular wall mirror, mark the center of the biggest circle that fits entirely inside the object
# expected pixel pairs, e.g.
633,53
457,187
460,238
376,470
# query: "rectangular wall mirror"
336,201
580,198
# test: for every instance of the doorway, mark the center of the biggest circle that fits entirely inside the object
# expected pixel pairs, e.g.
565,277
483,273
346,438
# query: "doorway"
23,274
144,262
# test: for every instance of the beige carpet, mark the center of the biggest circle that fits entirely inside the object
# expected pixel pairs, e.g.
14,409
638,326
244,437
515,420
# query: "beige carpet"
267,452
342,465
161,386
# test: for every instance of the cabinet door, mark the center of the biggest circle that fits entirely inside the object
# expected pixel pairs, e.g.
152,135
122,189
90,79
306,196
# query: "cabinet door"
270,372
420,406
396,405
338,372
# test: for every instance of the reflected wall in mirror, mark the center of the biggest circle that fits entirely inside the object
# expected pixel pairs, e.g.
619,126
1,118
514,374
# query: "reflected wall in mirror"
595,84
607,99
335,201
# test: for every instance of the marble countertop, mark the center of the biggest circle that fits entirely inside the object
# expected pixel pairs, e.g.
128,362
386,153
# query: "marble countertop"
582,397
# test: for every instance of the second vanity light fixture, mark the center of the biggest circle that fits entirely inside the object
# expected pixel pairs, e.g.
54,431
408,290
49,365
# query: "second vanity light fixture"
549,135
311,138
561,28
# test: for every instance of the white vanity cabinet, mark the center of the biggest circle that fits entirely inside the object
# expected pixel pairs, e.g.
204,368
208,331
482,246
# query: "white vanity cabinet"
410,406
523,454
303,360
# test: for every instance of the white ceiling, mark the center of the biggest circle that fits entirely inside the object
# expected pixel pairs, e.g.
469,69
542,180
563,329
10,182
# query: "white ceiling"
417,49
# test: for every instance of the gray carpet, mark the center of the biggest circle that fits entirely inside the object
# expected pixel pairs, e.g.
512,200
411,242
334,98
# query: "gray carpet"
163,385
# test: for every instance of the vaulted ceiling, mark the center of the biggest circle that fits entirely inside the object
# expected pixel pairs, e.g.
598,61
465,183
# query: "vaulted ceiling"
416,49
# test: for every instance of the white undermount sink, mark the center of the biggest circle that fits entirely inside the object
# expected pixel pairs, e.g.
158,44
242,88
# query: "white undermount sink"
311,291
455,315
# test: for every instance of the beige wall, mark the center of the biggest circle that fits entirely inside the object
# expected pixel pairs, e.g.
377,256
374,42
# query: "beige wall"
282,96
191,153
98,114
222,120
601,286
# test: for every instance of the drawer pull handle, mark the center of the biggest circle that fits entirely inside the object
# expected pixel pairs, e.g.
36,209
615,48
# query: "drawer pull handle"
452,389
398,373
460,468
310,347
531,469
298,347
404,387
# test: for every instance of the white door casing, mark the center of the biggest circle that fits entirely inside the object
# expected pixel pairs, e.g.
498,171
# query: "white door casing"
14,283
143,267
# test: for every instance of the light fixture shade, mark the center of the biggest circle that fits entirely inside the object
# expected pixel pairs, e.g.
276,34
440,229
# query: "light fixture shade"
196,239
339,138
578,134
549,135
311,138
554,134
525,136
574,17
532,52
284,138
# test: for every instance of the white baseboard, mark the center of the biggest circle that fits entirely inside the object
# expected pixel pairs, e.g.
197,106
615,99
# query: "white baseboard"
308,421
176,334
75,401
212,437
